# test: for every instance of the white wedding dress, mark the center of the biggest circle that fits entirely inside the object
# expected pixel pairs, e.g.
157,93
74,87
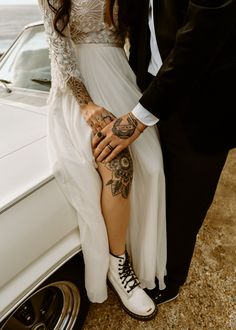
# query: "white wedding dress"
92,52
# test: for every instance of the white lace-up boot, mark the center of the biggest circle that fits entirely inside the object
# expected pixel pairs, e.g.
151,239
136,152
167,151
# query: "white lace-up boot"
124,282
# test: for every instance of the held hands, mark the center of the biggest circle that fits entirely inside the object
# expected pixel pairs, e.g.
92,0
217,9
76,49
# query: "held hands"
111,134
116,136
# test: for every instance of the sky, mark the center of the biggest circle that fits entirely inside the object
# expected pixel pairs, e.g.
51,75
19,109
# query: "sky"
18,2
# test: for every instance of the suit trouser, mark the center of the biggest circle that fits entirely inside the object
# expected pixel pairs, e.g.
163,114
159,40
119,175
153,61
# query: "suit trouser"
191,181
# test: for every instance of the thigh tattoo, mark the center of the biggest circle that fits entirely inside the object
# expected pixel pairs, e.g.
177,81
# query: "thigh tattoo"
122,174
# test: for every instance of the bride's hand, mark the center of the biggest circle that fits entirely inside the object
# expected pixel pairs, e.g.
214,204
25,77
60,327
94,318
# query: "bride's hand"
97,117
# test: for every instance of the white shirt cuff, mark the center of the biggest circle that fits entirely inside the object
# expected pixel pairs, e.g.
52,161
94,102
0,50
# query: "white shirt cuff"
143,115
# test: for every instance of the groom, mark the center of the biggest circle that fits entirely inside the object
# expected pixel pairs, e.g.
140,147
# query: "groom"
184,55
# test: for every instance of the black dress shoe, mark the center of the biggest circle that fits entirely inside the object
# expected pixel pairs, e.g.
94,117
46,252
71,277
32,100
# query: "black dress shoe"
163,296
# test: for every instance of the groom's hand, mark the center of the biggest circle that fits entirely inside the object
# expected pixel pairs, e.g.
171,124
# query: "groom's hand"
115,137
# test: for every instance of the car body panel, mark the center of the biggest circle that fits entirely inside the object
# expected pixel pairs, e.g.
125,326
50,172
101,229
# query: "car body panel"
23,151
42,237
38,227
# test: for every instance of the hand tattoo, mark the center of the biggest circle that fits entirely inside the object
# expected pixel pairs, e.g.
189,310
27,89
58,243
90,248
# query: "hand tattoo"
123,131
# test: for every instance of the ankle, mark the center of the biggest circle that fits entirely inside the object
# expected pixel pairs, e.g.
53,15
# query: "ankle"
118,254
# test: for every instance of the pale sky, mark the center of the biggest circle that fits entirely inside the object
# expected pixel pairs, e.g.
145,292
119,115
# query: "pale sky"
18,2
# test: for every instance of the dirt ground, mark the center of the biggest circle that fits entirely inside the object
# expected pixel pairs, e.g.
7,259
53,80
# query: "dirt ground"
208,299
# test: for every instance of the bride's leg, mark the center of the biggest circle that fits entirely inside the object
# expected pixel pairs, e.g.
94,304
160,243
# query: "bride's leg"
115,200
117,178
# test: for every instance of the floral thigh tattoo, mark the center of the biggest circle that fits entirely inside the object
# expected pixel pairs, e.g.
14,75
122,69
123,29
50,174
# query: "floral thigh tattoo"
122,174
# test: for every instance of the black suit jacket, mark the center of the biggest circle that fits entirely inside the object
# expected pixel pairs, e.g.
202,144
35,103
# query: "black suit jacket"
197,43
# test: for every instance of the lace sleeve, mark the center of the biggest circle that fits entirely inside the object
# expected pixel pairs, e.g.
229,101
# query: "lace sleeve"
64,68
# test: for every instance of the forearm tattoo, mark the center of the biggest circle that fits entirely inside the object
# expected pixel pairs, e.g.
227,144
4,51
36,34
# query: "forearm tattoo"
122,174
79,91
123,130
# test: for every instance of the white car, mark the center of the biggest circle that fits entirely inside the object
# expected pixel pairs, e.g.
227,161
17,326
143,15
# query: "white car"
41,264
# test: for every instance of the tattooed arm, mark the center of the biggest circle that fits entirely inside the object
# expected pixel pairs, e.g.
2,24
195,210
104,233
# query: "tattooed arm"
65,71
79,91
118,135
97,117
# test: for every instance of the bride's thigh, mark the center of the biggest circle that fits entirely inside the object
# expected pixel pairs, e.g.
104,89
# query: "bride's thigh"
118,173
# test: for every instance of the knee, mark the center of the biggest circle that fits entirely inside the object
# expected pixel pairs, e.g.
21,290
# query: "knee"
121,169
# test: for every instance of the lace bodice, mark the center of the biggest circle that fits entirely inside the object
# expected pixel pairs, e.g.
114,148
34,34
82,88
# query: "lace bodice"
87,25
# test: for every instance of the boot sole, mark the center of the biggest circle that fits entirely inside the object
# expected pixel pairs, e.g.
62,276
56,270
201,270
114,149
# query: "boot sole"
166,301
135,316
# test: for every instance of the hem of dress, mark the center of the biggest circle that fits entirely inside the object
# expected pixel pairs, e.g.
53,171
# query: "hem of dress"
96,300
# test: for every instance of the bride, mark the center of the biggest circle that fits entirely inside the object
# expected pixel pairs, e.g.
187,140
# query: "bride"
120,204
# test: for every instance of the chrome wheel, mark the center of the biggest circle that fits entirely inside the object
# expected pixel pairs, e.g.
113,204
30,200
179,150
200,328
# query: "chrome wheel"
54,306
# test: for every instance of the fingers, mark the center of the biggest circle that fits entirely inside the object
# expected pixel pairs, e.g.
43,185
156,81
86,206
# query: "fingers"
112,155
97,138
109,149
100,148
108,146
100,135
103,144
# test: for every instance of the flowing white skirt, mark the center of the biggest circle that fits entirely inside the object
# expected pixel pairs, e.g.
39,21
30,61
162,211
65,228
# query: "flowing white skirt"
111,84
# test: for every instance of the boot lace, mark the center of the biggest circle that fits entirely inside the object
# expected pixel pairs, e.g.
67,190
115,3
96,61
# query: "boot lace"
127,275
